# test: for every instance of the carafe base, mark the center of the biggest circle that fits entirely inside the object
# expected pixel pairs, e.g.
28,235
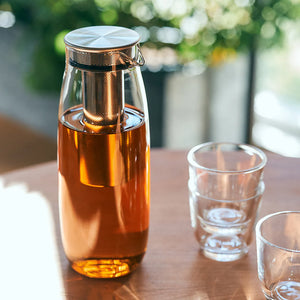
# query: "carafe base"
107,267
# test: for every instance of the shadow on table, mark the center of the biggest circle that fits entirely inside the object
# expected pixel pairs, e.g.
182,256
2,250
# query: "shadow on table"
22,146
239,280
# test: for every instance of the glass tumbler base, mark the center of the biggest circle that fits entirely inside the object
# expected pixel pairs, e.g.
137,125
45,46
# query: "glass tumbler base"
286,290
224,248
282,290
107,267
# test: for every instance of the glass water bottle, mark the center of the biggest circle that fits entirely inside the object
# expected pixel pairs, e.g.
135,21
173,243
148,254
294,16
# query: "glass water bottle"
103,152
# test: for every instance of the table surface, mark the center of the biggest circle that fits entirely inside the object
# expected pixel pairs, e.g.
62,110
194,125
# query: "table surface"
34,266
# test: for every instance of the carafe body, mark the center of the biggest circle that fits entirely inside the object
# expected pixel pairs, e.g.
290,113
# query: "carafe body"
103,153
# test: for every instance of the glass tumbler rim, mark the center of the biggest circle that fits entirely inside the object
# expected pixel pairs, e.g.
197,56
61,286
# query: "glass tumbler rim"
242,146
265,240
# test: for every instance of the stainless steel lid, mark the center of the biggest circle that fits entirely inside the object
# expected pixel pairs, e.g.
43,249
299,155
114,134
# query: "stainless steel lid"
104,48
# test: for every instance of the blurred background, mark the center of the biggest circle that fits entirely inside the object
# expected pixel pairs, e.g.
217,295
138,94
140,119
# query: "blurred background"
216,70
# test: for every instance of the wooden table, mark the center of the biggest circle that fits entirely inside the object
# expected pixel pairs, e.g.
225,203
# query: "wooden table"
33,265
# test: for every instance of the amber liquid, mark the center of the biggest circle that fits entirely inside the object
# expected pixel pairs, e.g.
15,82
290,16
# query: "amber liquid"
103,193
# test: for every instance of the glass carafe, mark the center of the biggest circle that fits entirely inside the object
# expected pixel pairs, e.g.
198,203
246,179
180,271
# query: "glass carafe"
103,152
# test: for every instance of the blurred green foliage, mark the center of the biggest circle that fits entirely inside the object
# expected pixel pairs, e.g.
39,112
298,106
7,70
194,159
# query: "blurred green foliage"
206,30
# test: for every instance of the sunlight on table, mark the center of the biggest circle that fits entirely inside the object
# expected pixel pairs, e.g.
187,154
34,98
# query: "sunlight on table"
29,269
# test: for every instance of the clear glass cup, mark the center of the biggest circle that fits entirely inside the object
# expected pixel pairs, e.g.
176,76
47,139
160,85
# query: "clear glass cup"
225,190
278,255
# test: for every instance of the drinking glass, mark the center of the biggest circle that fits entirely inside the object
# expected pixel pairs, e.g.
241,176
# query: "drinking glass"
278,255
225,190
